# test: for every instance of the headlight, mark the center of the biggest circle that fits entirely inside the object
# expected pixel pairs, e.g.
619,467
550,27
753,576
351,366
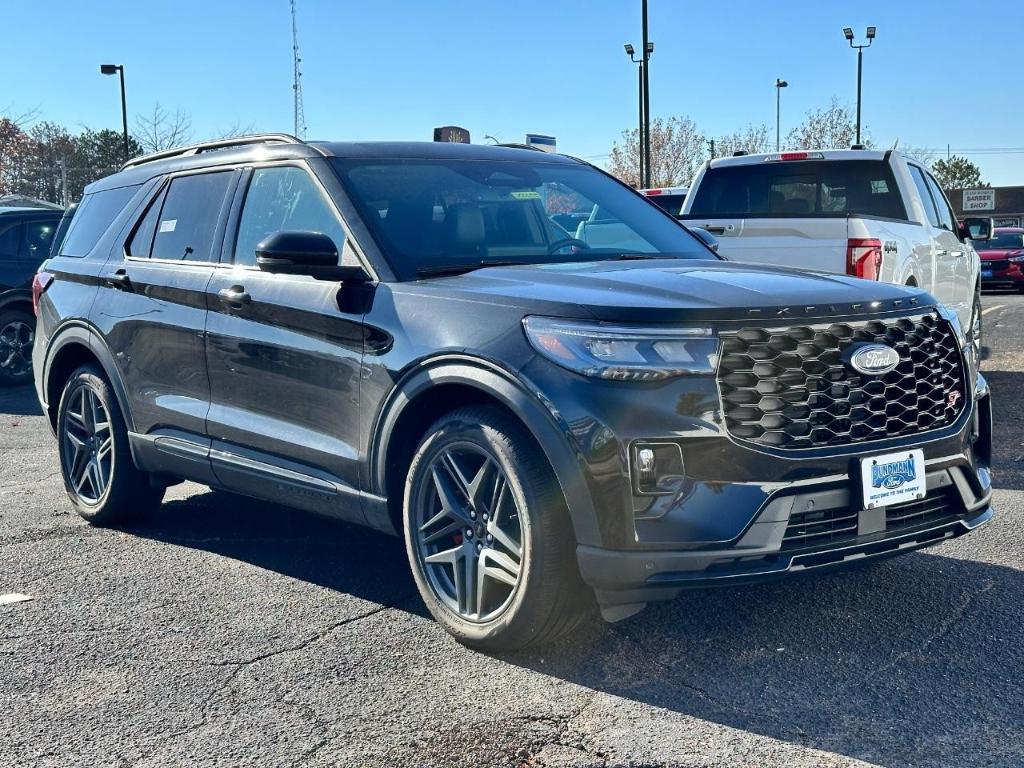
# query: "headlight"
1017,259
624,354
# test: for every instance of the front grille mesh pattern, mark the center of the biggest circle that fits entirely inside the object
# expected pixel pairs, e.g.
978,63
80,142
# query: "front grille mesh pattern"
826,527
995,264
789,388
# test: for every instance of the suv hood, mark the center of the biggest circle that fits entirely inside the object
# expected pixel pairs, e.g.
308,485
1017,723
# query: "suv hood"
668,290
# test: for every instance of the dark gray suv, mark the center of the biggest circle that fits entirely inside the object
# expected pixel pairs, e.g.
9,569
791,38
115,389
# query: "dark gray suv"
404,336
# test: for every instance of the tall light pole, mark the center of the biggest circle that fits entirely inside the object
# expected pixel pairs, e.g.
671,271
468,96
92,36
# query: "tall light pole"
640,101
648,49
848,34
643,129
118,69
779,85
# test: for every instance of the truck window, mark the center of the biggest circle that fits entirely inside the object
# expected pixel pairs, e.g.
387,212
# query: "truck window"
805,188
926,196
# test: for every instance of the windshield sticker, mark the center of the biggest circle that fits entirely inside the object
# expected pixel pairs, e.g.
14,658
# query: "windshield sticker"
526,195
168,225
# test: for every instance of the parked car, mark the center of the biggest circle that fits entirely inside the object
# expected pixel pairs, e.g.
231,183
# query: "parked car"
1002,259
399,336
25,235
669,198
872,214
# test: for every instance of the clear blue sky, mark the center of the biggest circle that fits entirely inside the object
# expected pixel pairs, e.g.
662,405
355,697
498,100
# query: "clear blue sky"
939,72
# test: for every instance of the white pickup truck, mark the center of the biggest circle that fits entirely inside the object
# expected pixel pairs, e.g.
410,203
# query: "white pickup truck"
874,214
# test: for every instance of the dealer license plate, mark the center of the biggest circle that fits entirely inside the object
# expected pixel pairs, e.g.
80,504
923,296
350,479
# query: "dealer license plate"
986,273
893,478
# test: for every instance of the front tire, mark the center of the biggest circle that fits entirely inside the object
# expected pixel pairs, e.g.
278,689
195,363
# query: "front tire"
975,331
96,463
488,534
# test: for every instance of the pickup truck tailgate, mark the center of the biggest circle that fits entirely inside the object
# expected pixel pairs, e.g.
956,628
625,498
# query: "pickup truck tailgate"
812,243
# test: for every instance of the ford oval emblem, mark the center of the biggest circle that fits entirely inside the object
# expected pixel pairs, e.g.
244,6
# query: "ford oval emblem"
873,359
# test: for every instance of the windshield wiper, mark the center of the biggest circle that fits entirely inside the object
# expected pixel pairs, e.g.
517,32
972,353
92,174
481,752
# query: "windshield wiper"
458,269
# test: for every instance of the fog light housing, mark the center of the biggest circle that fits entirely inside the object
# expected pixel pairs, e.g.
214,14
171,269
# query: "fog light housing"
656,468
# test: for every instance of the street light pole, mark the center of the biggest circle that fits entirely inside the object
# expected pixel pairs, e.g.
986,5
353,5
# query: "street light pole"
118,69
648,48
640,101
848,34
779,85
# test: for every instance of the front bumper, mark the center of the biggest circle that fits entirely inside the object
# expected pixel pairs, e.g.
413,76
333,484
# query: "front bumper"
1011,277
776,541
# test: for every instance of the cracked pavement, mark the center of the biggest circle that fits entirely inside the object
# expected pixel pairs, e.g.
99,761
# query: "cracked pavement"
225,632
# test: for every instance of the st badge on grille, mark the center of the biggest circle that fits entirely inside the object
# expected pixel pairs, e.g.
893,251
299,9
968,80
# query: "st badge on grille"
872,359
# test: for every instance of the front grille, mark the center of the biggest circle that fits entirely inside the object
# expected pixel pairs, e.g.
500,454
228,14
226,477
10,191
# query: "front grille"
996,264
789,388
823,528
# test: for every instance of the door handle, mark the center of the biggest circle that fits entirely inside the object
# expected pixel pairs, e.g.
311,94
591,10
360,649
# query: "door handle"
715,230
958,254
941,252
234,297
119,280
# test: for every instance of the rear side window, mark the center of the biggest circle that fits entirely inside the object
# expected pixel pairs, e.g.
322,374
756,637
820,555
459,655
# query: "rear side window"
140,244
9,242
941,206
926,196
35,239
94,216
188,218
805,188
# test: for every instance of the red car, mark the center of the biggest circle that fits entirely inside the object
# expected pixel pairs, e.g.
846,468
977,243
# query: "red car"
1002,259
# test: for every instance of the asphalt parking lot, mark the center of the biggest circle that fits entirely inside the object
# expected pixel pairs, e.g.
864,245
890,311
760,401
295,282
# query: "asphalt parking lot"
228,632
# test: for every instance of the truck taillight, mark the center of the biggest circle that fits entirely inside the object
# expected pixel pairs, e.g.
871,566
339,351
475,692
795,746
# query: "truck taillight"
864,258
40,283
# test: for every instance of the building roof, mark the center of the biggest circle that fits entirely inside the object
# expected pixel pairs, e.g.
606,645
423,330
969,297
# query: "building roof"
1009,200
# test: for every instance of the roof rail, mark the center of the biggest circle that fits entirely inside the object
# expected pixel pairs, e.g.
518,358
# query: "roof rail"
209,146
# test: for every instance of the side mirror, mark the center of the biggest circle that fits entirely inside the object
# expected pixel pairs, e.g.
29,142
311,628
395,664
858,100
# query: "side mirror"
304,253
705,237
977,228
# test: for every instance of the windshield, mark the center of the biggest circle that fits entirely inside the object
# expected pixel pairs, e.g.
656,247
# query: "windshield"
802,189
1001,241
433,215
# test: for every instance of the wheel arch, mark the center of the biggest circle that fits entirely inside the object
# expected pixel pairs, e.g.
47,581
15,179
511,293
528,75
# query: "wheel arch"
70,347
20,300
440,386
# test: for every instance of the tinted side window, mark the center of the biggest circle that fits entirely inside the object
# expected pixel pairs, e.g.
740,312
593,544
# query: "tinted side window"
926,196
35,239
188,218
95,214
140,244
945,214
283,199
9,242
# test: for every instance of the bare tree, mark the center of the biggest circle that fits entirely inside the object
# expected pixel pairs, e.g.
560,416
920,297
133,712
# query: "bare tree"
831,128
233,130
677,150
162,130
924,155
752,139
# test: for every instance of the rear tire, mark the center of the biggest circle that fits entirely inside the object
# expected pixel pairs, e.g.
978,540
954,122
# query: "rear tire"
100,477
489,536
17,333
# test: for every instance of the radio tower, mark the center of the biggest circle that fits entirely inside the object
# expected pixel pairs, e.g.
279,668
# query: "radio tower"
299,112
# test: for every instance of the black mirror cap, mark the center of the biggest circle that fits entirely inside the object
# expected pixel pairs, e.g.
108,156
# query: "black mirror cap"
304,253
977,228
705,237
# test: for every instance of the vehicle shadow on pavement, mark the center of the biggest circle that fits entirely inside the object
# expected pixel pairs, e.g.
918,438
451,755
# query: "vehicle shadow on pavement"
1007,428
912,662
19,401
304,546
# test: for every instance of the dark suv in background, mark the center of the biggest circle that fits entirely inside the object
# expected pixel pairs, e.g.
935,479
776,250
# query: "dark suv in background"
25,235
403,336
